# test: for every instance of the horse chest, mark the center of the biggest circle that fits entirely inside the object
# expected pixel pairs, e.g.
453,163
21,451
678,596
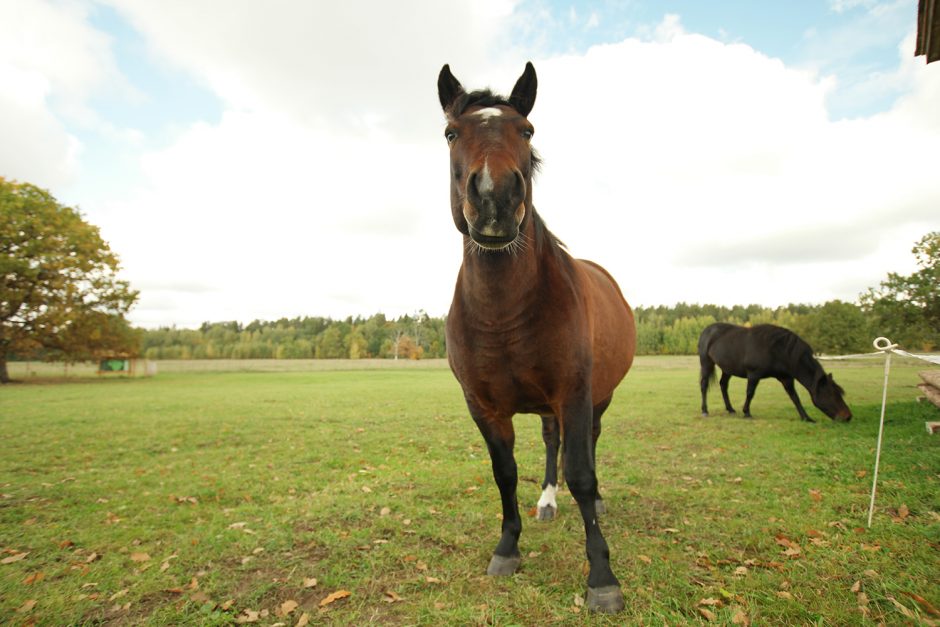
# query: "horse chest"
505,373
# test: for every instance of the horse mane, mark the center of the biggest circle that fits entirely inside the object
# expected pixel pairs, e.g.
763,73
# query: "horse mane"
791,346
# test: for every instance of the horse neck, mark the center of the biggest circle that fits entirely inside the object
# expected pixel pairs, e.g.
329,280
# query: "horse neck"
508,281
808,372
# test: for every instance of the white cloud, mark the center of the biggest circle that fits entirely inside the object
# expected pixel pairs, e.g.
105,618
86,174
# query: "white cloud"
693,169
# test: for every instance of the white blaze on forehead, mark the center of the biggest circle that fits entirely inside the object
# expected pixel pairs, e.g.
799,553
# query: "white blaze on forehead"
485,183
488,112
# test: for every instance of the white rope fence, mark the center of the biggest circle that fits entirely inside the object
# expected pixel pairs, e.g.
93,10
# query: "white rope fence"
883,346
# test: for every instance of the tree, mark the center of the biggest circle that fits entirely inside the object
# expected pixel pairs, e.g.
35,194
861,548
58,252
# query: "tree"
59,296
906,309
836,328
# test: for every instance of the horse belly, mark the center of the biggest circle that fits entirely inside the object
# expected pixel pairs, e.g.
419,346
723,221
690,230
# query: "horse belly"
614,334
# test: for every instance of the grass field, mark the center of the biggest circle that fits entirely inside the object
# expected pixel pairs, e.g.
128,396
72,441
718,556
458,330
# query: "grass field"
365,497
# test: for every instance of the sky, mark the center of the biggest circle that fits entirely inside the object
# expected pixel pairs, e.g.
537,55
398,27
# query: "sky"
259,160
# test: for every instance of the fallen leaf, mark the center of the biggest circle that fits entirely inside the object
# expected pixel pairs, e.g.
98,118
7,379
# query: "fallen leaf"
385,511
286,608
871,573
903,512
14,558
856,586
194,584
711,602
902,608
391,597
740,571
816,495
862,599
578,600
118,594
645,559
238,525
708,614
248,616
140,557
29,605
164,566
740,618
861,473
334,596
93,557
199,597
783,594
924,603
33,578
303,621
433,580
310,582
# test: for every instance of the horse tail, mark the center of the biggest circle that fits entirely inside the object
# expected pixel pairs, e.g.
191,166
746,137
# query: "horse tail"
707,365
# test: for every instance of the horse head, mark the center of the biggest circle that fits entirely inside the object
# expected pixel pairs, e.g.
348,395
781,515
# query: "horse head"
491,158
827,396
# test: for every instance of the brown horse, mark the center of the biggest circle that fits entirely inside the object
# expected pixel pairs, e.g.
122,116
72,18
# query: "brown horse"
530,329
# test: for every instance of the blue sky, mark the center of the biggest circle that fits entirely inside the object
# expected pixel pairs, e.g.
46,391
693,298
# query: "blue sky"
257,161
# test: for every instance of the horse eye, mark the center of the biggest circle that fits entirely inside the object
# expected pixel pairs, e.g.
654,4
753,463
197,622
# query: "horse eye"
450,135
528,133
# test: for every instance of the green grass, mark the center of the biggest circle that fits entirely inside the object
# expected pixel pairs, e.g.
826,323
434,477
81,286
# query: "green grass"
237,487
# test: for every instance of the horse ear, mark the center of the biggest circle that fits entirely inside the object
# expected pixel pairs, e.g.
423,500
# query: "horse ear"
448,88
523,94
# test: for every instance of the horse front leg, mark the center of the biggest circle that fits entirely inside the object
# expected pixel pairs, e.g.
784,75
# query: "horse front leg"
791,392
752,382
603,593
547,506
500,439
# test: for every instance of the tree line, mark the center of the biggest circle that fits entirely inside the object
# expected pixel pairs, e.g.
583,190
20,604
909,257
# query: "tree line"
416,336
833,328
61,299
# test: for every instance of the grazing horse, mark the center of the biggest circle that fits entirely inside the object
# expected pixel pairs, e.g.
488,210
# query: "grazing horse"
530,329
766,351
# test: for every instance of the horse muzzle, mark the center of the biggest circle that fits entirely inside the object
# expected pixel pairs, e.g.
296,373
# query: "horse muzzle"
494,207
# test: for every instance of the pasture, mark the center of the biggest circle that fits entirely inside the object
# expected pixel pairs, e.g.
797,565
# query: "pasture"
366,496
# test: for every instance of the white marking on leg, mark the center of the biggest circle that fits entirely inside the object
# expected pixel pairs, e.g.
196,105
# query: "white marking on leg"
548,497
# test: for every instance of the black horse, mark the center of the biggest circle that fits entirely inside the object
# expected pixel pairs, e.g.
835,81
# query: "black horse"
766,351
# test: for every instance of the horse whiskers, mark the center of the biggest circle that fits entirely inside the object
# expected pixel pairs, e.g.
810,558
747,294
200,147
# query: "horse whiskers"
514,248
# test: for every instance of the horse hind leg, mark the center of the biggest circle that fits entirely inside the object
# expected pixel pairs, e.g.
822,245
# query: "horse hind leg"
706,376
547,507
599,410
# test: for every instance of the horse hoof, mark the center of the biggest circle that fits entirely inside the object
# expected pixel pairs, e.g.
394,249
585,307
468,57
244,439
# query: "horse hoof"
607,600
503,566
599,507
704,414
547,512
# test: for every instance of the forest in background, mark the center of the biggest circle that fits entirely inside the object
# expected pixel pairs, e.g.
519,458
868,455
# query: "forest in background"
833,328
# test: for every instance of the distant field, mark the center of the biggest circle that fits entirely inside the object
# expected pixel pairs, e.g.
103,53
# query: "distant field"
216,497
